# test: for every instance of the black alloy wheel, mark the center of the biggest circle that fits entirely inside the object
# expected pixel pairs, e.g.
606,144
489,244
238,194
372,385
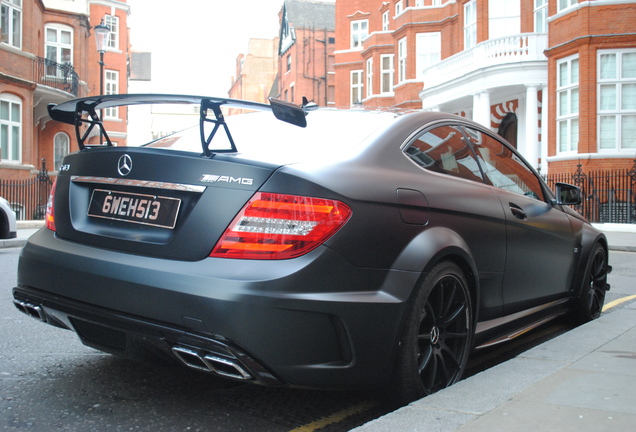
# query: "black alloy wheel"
437,336
593,292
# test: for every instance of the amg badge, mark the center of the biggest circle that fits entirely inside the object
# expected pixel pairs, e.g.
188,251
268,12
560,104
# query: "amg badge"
212,178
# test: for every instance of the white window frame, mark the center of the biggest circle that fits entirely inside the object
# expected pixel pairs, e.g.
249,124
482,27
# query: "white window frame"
624,106
398,8
470,24
388,73
567,103
419,3
10,129
111,86
59,46
564,4
369,77
357,86
428,51
11,17
61,147
402,55
359,32
112,21
540,16
504,18
385,21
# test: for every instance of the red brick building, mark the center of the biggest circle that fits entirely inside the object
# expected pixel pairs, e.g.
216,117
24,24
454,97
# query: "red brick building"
557,78
305,51
48,55
255,71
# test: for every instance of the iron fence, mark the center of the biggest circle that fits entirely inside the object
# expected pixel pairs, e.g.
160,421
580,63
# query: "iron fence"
28,197
608,196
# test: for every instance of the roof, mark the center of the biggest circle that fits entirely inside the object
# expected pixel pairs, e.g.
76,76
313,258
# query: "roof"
311,14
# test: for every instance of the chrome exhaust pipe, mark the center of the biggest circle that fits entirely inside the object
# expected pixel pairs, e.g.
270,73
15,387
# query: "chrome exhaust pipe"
207,362
32,310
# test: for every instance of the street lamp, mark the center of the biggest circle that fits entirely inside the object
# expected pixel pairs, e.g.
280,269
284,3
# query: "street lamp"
101,39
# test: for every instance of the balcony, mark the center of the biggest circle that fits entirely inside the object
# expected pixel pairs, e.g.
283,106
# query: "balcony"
55,75
509,50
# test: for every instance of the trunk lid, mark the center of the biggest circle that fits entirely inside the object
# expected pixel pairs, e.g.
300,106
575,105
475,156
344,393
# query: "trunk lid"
153,202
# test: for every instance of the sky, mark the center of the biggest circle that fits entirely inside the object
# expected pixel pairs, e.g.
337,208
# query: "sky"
195,43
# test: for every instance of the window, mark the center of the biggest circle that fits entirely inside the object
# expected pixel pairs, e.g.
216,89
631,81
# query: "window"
564,4
61,145
540,16
359,31
292,88
11,22
111,83
59,48
356,87
289,62
504,18
617,100
428,47
10,128
113,37
568,104
502,167
385,21
370,77
444,150
419,3
402,60
386,72
470,24
398,8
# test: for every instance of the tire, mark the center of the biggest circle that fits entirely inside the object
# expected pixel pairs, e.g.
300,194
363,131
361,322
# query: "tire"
436,338
592,295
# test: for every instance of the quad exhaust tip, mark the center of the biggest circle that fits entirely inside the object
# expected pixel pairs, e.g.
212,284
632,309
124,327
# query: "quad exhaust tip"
208,362
30,309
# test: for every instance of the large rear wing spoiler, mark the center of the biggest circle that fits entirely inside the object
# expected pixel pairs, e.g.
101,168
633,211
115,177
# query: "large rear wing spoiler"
85,112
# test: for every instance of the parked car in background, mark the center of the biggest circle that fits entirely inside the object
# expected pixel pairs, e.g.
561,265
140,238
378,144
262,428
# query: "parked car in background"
8,227
332,249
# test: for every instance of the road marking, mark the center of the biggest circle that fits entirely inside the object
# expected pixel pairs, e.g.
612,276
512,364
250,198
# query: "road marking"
335,418
616,302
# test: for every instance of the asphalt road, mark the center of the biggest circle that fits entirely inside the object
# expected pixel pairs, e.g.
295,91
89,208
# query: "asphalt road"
50,382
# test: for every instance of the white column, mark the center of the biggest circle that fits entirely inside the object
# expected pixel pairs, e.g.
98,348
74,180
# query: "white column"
544,130
532,126
481,108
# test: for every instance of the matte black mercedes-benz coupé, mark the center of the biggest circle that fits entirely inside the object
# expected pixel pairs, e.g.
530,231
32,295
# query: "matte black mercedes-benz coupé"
311,247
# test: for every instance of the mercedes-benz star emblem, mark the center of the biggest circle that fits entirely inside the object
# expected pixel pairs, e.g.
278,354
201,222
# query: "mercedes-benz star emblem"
124,166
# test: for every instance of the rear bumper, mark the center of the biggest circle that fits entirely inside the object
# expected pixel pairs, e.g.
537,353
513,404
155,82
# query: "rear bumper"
314,321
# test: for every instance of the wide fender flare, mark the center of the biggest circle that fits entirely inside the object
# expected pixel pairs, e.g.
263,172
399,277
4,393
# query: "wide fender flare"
588,238
434,245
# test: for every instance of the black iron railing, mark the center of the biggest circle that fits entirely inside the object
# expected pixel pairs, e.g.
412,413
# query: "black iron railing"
28,197
56,75
608,196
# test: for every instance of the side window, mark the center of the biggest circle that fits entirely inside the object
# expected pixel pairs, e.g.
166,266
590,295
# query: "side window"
444,150
502,167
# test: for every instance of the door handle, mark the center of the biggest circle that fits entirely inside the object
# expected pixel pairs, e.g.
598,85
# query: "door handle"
517,211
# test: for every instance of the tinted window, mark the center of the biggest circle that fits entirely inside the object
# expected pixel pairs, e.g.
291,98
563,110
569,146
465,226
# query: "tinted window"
444,150
502,167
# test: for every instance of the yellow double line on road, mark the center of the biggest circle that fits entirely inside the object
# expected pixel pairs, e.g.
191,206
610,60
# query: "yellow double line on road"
616,302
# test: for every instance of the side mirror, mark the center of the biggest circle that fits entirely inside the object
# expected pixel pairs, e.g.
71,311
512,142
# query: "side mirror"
567,194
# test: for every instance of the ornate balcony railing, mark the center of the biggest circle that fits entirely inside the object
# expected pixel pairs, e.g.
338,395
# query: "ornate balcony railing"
493,52
56,75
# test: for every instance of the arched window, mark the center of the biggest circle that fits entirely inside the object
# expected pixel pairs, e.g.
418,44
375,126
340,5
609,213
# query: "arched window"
61,144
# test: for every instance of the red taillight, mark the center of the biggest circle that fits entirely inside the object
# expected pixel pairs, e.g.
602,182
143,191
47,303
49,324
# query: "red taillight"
277,226
50,209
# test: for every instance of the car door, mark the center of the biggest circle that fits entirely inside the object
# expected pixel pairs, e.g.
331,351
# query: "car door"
460,201
539,237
